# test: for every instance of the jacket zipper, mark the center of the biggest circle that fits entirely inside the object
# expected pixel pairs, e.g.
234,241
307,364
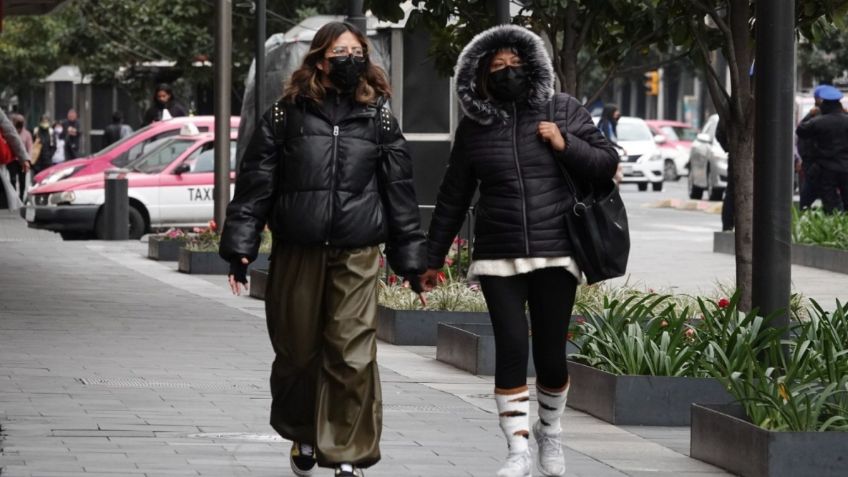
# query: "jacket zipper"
520,178
332,182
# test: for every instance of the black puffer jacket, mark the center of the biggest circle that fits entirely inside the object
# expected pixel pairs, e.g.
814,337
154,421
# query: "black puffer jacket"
327,182
825,138
523,194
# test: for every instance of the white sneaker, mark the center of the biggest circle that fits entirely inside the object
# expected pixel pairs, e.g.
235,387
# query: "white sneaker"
551,459
517,465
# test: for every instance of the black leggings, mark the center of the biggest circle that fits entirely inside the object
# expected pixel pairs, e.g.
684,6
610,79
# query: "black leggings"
550,295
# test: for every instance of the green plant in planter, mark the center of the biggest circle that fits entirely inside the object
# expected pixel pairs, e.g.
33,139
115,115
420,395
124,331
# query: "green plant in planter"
641,335
208,239
175,234
802,389
814,227
451,296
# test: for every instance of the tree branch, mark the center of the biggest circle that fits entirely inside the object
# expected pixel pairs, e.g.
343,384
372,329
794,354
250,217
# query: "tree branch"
654,65
721,99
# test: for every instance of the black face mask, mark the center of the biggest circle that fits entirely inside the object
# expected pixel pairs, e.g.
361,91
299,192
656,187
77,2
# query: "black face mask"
509,84
345,72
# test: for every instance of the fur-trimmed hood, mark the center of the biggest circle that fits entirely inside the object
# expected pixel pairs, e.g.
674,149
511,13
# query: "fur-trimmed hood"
537,64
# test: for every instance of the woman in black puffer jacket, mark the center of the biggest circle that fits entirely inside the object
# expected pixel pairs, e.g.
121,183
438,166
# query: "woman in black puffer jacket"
506,148
328,170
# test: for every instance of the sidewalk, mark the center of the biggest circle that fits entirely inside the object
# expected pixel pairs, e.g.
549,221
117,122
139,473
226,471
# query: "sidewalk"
112,364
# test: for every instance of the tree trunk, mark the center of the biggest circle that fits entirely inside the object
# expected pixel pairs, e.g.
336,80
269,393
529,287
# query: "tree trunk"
569,51
740,54
741,138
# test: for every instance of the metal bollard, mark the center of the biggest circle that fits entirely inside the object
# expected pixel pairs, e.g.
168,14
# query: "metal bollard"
116,209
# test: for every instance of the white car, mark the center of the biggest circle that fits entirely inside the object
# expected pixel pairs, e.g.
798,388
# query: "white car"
707,164
641,159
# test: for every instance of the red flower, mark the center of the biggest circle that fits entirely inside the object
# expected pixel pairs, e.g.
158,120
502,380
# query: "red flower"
690,332
723,303
448,261
441,277
213,226
393,279
569,336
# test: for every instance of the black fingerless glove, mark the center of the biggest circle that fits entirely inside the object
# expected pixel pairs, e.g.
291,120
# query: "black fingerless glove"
239,271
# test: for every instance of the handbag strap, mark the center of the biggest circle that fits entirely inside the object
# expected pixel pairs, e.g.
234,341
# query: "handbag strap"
579,206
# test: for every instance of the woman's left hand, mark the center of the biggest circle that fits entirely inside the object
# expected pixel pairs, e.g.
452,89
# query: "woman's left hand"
549,132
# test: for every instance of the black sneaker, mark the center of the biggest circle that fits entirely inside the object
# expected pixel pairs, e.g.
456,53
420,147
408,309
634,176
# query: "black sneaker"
302,459
347,470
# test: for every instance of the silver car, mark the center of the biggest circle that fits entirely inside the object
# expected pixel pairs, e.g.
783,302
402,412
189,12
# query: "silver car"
707,164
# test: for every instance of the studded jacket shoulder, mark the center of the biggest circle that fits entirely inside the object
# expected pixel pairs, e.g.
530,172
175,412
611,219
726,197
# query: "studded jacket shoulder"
332,174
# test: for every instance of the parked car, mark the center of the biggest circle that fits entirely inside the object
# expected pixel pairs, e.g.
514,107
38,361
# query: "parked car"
675,141
641,159
126,150
707,164
169,186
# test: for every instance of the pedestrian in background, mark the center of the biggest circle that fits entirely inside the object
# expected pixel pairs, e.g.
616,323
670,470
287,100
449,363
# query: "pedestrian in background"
825,136
328,169
165,106
608,123
116,130
728,206
507,148
70,134
59,154
11,150
809,189
18,169
44,145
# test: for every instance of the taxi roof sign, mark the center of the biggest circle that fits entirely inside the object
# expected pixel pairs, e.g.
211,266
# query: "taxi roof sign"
189,129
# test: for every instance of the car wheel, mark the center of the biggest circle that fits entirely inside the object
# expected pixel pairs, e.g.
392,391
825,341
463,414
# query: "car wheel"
695,192
138,226
657,186
670,171
643,186
76,235
713,193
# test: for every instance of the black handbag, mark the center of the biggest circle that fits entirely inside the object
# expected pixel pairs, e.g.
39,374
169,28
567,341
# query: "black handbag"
597,227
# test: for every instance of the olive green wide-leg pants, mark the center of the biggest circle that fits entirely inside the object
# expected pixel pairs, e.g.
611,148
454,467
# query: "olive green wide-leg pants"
321,306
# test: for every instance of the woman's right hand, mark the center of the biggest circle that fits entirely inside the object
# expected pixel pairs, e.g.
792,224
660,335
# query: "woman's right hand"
238,275
429,279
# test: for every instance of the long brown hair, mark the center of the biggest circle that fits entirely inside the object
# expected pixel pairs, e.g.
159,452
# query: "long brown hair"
306,81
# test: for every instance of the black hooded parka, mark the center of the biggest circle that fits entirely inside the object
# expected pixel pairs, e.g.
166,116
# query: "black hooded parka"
523,196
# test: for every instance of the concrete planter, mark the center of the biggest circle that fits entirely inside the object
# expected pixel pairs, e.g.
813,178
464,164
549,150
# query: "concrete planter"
814,256
640,400
258,282
419,327
159,248
723,436
470,347
210,263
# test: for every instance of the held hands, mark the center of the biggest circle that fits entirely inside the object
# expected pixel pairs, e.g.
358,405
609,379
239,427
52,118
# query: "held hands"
238,275
429,279
549,132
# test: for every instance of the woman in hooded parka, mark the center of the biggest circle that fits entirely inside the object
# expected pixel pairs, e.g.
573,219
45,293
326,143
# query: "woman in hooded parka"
507,147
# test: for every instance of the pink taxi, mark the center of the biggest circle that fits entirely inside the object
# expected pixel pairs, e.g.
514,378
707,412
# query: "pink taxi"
170,185
126,150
